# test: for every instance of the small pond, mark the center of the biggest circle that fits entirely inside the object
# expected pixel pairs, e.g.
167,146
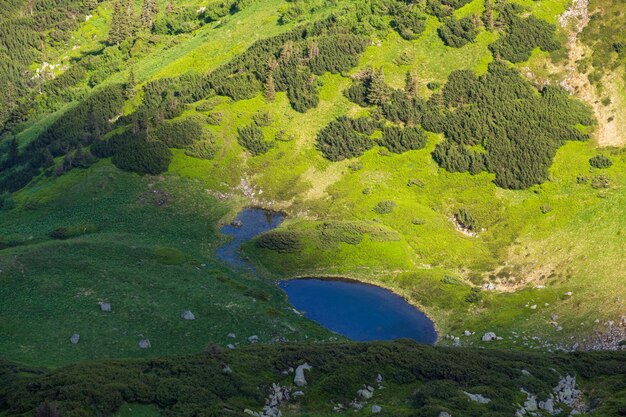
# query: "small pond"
358,311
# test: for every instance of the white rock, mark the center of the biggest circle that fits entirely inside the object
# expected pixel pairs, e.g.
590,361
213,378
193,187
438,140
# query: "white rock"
299,379
144,344
187,315
444,414
253,339
365,394
74,338
376,409
106,307
489,336
477,398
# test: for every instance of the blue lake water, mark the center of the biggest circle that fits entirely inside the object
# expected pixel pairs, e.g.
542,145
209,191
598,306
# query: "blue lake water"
358,311
253,221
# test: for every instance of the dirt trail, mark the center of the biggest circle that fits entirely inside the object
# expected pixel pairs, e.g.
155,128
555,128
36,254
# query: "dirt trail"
612,117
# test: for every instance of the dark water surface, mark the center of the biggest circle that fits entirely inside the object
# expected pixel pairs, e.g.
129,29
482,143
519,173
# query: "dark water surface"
253,222
358,311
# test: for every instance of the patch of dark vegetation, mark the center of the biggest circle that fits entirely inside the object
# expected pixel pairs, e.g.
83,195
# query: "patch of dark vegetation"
143,156
385,207
600,162
179,133
465,219
427,380
280,241
458,33
252,139
522,35
340,140
399,140
69,232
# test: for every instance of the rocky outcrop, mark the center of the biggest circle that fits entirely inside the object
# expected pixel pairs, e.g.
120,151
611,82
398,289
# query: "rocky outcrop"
477,398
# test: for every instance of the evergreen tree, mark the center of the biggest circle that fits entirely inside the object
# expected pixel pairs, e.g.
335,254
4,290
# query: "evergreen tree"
269,90
91,4
121,21
148,11
378,91
411,84
129,87
488,15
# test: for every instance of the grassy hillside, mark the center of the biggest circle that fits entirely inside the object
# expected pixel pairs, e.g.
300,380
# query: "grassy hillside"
549,247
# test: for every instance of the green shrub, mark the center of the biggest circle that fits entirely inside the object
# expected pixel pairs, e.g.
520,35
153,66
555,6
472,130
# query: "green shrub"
203,149
474,295
280,241
283,136
179,133
464,218
600,162
458,33
170,256
545,208
262,118
339,140
399,140
68,232
143,157
215,118
6,201
253,140
385,207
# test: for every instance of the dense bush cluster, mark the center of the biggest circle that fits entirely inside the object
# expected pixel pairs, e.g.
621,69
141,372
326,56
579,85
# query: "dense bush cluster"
280,241
143,156
399,140
497,122
425,380
459,32
179,133
340,140
518,129
600,161
522,35
252,139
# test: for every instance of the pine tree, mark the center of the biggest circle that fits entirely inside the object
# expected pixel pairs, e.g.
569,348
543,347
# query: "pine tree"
269,90
488,15
91,4
411,84
378,92
116,33
148,11
122,25
129,88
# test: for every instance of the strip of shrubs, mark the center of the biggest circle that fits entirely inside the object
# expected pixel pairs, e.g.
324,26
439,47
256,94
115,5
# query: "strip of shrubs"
398,140
280,241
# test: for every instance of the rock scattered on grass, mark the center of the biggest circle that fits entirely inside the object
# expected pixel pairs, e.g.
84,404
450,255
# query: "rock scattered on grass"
477,398
299,379
144,344
253,339
105,307
75,338
187,315
489,336
376,409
